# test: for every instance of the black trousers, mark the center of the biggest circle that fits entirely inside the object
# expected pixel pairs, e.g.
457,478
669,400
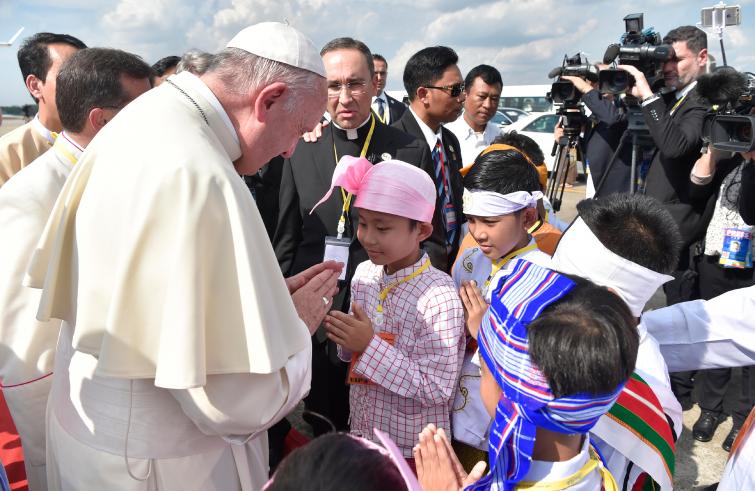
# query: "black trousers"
713,384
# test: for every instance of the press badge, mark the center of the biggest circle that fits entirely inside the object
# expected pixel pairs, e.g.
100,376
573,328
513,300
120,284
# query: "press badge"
737,249
338,250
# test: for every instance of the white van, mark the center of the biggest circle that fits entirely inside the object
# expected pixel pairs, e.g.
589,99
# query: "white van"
530,98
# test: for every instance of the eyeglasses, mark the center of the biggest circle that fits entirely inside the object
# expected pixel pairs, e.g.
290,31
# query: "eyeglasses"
353,88
455,90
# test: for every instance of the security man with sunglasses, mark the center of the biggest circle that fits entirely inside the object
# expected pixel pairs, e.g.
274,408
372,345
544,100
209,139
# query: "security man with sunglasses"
435,87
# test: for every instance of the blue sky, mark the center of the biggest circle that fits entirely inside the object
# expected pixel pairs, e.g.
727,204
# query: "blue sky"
523,39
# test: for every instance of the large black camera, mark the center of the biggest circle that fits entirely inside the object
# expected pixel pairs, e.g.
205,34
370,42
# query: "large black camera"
729,125
639,47
562,91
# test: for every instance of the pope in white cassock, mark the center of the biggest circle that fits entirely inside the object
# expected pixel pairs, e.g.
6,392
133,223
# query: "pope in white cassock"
180,342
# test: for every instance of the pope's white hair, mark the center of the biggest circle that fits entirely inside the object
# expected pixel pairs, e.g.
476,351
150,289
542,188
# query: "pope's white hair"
242,72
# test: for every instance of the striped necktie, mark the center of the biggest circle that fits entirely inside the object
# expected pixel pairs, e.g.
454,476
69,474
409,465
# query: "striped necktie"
381,108
444,193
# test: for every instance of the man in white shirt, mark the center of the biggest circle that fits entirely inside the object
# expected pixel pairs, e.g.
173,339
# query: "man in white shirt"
39,58
473,128
180,342
385,107
92,86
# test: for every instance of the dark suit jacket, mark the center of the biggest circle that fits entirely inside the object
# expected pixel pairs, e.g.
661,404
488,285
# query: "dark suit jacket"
265,186
396,108
299,240
678,138
451,146
601,141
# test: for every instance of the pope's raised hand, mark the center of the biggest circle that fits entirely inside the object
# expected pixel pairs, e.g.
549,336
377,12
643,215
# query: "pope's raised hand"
313,299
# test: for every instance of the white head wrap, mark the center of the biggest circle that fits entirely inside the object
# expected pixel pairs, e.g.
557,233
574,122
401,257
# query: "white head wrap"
580,253
490,204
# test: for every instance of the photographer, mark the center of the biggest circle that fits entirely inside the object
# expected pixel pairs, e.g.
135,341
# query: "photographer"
675,119
607,124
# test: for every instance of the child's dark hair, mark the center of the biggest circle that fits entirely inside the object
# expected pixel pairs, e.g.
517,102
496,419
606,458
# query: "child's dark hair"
586,343
502,171
524,143
635,227
335,462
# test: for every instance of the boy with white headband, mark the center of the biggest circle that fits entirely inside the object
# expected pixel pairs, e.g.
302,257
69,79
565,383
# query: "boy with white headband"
404,336
501,191
628,243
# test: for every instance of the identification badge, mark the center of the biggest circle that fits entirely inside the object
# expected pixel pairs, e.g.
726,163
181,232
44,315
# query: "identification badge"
338,250
356,379
450,213
737,249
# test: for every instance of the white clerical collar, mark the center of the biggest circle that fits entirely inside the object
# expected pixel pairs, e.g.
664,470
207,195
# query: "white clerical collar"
197,84
430,136
43,132
682,93
351,133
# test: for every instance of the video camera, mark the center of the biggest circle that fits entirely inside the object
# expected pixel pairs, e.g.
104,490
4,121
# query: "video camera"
729,125
562,91
639,47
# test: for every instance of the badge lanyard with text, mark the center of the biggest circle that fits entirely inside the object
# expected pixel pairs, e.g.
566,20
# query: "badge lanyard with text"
337,248
497,265
379,317
354,378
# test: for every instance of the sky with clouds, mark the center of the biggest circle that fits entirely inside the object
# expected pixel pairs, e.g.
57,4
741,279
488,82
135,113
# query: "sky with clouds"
524,39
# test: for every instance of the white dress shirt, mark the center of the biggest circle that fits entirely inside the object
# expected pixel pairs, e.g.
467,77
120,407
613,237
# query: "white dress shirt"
472,142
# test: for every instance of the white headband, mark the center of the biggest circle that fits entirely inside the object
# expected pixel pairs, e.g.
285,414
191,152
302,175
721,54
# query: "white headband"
580,253
489,204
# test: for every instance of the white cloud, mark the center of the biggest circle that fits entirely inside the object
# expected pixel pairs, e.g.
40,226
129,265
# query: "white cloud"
524,39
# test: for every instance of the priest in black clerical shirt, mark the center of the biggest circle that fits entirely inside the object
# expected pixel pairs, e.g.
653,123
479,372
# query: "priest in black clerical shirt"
300,237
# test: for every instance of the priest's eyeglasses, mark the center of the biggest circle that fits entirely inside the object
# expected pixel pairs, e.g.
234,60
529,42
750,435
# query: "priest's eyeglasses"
352,88
454,90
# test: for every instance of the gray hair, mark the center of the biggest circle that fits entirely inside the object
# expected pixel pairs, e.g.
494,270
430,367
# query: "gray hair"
242,72
194,61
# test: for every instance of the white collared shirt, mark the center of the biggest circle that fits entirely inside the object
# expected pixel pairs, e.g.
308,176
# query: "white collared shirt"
386,110
197,84
472,142
430,136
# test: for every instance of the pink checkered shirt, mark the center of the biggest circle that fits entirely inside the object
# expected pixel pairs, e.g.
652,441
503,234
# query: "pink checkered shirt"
415,378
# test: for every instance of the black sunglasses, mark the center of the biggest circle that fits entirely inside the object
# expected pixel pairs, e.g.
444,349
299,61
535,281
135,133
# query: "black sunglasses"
455,90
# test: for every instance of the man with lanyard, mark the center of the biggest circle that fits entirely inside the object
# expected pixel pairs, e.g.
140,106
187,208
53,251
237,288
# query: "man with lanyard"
386,108
39,58
303,238
474,129
92,86
436,93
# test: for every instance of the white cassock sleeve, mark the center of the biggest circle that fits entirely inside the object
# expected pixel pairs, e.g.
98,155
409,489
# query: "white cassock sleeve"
701,334
238,406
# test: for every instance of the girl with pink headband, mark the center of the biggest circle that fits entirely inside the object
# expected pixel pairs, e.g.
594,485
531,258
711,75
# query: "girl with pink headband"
404,334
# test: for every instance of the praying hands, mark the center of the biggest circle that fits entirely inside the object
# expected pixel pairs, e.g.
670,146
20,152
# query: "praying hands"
353,332
438,468
474,306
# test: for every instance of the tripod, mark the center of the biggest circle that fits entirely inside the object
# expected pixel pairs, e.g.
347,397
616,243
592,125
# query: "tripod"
565,150
640,140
